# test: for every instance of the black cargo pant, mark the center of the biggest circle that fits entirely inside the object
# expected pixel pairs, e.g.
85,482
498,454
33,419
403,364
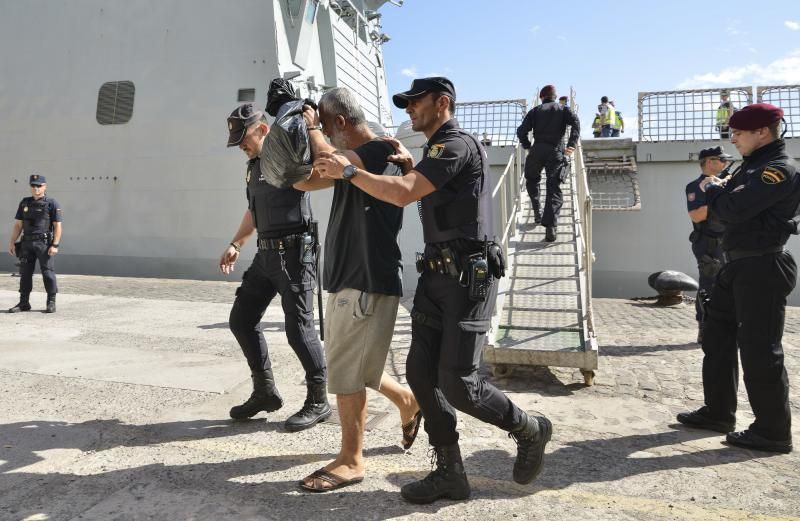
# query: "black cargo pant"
747,308
708,253
31,251
260,283
551,158
447,336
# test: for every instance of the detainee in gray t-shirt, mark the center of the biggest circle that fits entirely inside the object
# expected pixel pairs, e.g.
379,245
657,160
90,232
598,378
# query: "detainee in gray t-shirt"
363,276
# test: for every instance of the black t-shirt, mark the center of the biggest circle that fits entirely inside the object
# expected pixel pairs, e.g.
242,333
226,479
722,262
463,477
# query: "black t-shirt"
38,216
361,250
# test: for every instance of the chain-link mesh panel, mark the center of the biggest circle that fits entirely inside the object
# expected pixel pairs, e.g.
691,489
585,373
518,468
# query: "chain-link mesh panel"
614,185
687,115
493,122
786,97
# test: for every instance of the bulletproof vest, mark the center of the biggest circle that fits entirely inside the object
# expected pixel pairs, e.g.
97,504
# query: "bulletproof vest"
462,208
36,215
550,124
273,209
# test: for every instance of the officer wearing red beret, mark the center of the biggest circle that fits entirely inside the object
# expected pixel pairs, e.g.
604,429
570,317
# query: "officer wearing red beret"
548,122
759,206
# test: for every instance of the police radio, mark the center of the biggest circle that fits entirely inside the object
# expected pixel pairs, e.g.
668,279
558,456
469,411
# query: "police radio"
307,244
480,281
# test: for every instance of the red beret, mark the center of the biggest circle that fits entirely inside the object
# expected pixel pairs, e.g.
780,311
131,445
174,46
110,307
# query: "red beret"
548,91
755,116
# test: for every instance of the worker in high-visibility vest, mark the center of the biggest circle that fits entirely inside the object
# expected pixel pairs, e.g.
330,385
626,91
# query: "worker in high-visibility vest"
617,125
596,126
724,113
607,116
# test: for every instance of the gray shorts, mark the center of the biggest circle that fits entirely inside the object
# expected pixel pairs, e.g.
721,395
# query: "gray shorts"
358,333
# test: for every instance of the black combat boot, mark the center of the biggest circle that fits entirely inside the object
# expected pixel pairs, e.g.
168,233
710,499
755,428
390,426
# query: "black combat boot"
550,234
315,409
531,439
51,303
23,305
447,480
537,217
265,397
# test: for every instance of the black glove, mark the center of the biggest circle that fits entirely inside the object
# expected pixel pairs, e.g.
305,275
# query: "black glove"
497,265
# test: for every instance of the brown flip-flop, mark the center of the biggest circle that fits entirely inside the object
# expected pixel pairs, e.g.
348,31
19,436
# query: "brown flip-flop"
321,476
411,429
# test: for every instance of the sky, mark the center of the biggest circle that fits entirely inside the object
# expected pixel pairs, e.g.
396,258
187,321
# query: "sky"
504,49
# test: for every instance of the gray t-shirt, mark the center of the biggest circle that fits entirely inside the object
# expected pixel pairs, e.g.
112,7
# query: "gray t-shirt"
361,250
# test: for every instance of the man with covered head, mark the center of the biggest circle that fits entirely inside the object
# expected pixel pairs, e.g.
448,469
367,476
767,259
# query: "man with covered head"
759,206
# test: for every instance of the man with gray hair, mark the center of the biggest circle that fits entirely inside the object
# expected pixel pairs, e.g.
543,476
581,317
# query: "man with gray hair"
363,277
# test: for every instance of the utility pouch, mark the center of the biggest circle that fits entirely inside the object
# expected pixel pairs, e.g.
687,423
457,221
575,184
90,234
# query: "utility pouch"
420,262
450,264
480,281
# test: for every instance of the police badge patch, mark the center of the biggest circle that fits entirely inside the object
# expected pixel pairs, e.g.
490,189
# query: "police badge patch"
690,196
435,152
772,176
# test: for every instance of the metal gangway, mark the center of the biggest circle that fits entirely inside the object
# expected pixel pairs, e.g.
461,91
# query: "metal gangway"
544,308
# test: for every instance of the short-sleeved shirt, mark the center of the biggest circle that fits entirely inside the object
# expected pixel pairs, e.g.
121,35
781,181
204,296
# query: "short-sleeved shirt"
38,216
361,250
696,198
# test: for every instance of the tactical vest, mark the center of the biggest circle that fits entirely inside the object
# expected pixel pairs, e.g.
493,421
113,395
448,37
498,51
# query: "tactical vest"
275,210
461,209
36,216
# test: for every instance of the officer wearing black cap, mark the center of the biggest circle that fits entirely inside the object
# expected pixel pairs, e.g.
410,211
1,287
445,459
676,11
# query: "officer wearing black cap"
456,293
285,265
706,236
38,218
759,207
548,121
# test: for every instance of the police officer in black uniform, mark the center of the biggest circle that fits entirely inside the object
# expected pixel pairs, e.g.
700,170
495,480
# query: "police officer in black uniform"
38,218
759,207
706,236
548,122
456,293
285,265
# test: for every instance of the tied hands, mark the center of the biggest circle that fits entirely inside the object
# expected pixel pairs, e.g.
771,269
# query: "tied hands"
711,180
331,165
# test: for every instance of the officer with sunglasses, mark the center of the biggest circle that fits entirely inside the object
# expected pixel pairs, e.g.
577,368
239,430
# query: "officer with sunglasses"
706,236
285,264
38,218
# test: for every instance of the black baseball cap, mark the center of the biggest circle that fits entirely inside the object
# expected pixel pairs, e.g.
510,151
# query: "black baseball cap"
714,152
422,86
37,180
241,118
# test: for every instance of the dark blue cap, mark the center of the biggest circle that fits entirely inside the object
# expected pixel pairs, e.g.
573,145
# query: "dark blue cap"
422,86
241,118
714,152
37,180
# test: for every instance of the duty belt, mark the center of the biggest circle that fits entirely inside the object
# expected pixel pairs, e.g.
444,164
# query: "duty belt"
443,265
281,243
35,236
733,255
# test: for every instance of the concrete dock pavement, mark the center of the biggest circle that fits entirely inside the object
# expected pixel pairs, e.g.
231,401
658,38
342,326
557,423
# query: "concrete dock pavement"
115,408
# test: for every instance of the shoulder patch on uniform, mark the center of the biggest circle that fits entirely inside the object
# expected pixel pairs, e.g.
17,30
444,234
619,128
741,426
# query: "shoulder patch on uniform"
690,196
436,151
772,176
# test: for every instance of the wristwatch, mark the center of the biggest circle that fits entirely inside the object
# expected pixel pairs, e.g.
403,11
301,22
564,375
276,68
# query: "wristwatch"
349,172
